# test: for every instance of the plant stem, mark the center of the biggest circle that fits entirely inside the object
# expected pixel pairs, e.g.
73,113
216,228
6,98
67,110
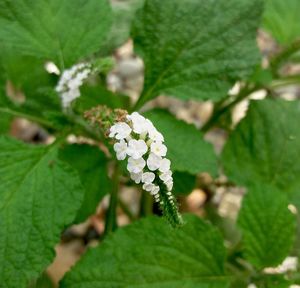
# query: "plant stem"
220,110
38,120
111,213
278,59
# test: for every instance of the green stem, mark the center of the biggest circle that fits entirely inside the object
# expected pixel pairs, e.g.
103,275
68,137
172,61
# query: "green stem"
278,59
221,110
285,81
35,119
111,214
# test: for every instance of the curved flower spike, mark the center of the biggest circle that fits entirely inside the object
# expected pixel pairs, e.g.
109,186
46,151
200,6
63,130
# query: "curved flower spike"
70,82
136,137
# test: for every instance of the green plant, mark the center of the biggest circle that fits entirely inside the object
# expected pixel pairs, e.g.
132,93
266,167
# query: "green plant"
192,50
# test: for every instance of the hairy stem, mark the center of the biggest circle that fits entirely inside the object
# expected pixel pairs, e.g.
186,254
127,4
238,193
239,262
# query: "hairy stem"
111,213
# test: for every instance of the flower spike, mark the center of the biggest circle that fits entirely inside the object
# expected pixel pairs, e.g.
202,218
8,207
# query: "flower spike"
136,140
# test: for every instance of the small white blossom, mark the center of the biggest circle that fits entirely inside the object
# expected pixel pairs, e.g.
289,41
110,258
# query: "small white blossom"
154,135
158,148
154,190
166,176
136,165
121,149
148,187
148,177
139,123
154,162
169,184
165,165
136,177
120,131
137,148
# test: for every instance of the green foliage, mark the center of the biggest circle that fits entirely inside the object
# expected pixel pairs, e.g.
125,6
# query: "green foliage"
90,162
265,147
196,48
149,253
192,49
39,196
63,31
93,96
184,183
281,19
268,226
186,148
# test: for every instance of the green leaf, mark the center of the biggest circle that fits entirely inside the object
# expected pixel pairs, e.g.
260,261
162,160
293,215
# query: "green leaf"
184,183
186,148
281,19
16,71
196,48
267,225
149,253
90,162
5,123
39,196
265,147
63,31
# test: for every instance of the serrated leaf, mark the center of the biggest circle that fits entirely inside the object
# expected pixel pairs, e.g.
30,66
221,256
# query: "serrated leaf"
39,196
90,162
187,150
149,253
63,31
281,19
196,48
265,147
267,225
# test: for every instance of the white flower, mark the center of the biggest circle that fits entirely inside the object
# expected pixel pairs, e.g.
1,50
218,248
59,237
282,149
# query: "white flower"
158,148
136,148
169,184
136,165
148,187
139,123
120,131
166,176
69,96
153,162
154,135
165,165
136,177
154,190
70,82
148,177
121,149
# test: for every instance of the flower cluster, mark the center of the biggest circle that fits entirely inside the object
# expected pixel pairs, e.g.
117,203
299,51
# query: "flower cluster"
138,139
70,82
